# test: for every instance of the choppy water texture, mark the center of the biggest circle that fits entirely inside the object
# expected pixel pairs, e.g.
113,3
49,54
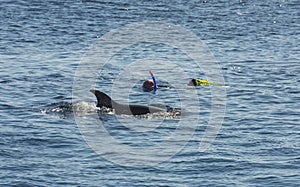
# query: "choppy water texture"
255,42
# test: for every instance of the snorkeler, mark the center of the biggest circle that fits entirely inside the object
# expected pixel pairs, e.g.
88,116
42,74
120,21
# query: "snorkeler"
199,82
150,85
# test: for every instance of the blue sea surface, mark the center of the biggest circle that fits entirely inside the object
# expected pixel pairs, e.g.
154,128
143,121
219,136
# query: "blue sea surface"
256,44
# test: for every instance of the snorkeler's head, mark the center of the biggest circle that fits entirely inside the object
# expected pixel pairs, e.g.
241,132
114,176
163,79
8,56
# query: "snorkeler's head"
148,85
192,82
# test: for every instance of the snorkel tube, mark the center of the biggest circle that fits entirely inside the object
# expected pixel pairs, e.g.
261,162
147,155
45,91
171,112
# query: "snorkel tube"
154,81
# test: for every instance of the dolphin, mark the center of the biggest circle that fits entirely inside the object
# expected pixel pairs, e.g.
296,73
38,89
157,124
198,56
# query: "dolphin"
105,101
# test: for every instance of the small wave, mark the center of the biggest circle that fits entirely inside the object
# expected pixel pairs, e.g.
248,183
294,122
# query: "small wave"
65,108
165,115
84,107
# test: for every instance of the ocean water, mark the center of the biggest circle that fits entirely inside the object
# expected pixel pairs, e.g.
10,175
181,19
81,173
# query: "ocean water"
44,44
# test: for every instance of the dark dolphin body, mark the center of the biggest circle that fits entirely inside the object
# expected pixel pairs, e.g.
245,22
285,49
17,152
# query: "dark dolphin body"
105,101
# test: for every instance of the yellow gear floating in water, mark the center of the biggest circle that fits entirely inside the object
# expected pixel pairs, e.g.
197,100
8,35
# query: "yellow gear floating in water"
199,82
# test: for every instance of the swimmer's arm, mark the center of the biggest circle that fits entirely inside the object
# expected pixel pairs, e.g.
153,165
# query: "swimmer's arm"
154,81
153,78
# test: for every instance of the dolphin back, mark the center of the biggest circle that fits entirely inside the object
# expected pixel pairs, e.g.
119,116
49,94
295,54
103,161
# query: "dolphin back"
105,101
136,109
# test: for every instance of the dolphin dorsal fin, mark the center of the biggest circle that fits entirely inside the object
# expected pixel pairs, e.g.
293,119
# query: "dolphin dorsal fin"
102,99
